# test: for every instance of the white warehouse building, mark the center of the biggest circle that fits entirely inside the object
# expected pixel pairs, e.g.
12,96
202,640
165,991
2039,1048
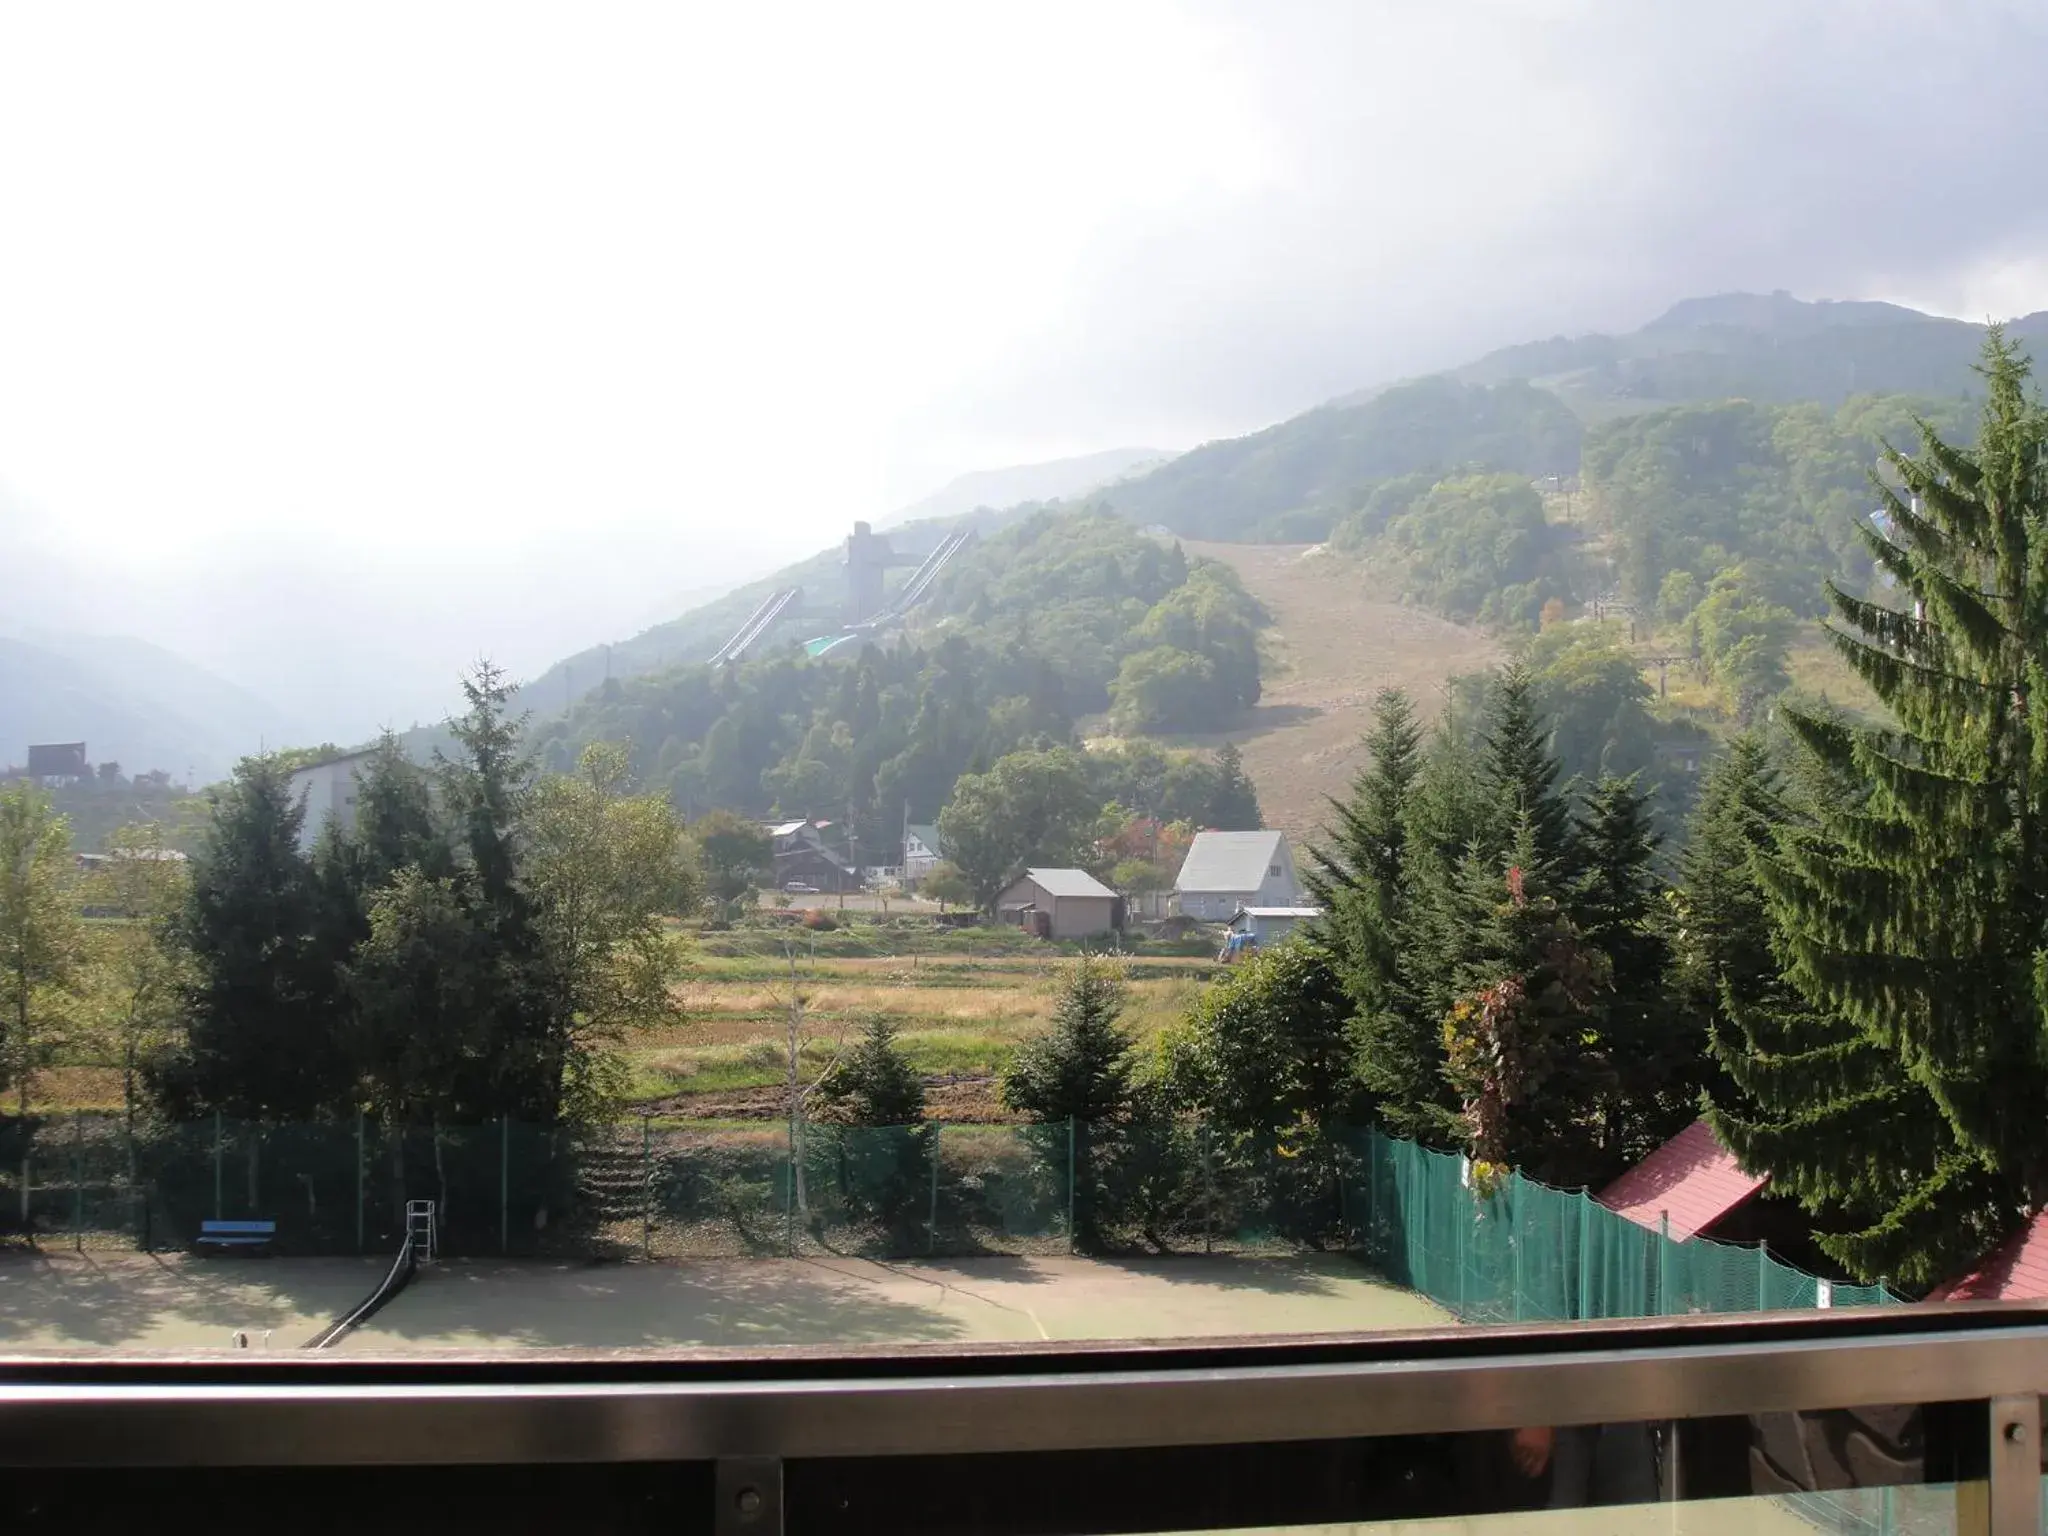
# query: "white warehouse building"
1227,871
327,789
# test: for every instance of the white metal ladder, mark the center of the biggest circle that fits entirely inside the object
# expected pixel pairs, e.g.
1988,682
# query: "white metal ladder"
419,1228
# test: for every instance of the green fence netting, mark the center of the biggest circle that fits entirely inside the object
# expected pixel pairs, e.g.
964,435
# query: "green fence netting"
1515,1251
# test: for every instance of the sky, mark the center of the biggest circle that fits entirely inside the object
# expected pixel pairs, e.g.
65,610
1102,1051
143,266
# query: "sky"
342,345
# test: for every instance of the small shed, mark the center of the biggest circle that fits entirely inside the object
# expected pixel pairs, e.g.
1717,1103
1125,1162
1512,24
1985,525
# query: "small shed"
1060,904
1264,927
1692,1180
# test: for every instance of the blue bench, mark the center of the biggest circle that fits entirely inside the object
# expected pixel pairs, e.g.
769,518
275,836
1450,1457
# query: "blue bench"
237,1234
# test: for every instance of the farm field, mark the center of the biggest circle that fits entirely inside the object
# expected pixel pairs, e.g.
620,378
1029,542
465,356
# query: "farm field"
959,1017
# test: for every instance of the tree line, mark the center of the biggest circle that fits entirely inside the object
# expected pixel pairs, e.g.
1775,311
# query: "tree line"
474,945
1059,616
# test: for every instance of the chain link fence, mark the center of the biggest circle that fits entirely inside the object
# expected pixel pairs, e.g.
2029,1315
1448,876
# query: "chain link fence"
659,1189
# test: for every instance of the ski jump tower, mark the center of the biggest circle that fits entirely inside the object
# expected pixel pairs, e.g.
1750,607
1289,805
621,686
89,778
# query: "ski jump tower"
868,557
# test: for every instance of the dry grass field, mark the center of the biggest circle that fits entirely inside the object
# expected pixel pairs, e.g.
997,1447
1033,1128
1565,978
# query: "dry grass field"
1333,644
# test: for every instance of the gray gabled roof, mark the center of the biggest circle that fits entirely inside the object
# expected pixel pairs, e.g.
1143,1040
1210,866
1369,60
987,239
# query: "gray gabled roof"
1228,861
927,834
1067,882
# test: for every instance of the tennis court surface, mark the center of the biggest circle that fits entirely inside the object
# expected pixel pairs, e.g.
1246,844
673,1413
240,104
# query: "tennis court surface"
173,1302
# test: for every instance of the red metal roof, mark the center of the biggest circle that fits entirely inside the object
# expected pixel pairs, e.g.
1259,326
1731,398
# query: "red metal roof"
1692,1178
2017,1270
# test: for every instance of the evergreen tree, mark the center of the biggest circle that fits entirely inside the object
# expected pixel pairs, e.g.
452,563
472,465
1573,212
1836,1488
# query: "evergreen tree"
1913,918
486,787
1075,1080
1234,803
265,1039
1444,812
873,1084
1805,1095
1520,1049
1358,876
884,1152
1520,772
1660,1059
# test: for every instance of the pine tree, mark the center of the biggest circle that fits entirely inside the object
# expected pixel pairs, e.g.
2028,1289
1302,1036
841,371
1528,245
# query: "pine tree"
874,1083
1915,912
884,1151
1076,1081
1444,812
486,788
1660,1064
265,1039
1520,1048
1520,772
1357,875
1234,803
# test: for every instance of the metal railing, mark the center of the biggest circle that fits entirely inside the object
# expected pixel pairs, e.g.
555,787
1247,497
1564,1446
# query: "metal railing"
1117,1437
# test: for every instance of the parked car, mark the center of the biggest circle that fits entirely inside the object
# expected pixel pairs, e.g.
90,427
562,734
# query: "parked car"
798,888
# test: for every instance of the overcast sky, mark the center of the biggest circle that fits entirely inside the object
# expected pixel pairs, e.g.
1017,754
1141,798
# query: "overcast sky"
341,344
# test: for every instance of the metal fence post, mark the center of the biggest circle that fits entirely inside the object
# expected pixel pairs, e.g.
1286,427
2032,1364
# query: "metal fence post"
1763,1275
1071,1241
1585,1255
1663,1306
1515,1247
931,1230
217,1213
362,1177
647,1186
78,1179
504,1183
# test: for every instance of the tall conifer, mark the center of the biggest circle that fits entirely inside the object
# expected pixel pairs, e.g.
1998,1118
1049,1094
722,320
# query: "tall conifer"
1913,917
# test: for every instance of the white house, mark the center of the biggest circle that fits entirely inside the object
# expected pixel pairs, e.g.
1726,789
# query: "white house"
1225,871
327,789
921,851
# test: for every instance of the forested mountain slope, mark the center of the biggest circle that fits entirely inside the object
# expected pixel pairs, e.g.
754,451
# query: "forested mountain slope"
1524,409
1058,616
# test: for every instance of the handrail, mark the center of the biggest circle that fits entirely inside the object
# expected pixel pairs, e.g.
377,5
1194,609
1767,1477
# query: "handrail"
628,1406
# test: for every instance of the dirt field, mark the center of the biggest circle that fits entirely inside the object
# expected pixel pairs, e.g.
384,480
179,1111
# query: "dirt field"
73,1302
856,1301
1333,647
80,1301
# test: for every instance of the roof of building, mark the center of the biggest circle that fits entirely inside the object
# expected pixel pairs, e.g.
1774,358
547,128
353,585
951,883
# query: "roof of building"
1301,913
1692,1179
329,759
927,834
2016,1270
786,828
1228,861
1067,882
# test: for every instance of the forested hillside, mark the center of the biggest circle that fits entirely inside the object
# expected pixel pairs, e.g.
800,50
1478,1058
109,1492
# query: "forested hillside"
1291,481
1523,409
1059,616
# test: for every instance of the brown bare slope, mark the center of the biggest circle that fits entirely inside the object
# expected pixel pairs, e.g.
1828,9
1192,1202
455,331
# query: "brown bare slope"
1330,649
